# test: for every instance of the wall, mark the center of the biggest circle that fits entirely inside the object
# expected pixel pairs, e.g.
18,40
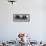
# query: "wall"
37,26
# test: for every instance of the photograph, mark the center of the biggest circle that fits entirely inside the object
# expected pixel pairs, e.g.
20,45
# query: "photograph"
22,22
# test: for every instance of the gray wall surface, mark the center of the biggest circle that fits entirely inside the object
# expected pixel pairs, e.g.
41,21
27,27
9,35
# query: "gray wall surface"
37,26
